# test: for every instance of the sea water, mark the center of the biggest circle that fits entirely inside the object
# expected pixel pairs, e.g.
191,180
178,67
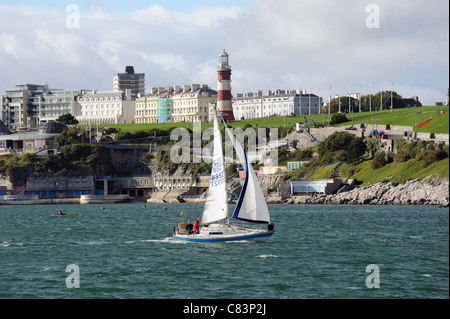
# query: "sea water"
317,251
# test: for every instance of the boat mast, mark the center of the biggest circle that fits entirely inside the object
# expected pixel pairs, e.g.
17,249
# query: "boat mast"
220,117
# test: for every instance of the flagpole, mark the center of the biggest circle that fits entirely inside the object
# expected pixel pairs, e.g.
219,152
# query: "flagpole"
359,98
329,106
309,101
391,95
349,99
339,98
381,100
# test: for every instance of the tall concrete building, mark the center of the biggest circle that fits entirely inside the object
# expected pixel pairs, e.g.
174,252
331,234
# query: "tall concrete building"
30,105
129,81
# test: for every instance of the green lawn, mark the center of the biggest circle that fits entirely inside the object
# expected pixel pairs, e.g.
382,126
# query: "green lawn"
145,126
400,171
405,117
324,172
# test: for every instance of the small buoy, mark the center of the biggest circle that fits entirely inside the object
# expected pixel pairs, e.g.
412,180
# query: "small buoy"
103,208
144,206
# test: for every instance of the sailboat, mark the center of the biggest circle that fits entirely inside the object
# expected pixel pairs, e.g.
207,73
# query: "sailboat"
251,205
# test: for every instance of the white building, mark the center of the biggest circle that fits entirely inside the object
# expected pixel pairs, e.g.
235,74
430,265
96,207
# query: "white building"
275,103
192,103
106,107
189,103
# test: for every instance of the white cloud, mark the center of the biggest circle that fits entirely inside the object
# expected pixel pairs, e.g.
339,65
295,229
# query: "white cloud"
201,17
110,51
154,14
317,43
208,17
166,61
9,44
285,44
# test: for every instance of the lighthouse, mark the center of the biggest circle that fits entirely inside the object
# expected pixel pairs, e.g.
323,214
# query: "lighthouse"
224,106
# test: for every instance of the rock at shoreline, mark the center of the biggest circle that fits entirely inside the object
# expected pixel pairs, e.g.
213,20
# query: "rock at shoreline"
427,191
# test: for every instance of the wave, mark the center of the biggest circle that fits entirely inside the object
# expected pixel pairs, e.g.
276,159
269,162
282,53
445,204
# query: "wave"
92,242
165,240
268,256
8,244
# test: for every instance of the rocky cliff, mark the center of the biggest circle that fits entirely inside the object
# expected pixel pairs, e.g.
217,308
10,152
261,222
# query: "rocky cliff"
427,191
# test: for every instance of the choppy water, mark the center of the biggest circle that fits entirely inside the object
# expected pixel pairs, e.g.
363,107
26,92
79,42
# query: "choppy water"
317,251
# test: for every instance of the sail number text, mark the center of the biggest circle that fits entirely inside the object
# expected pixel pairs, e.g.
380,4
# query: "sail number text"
217,174
217,179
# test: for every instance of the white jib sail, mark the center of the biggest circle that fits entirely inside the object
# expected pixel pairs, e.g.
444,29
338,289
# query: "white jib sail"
216,205
251,205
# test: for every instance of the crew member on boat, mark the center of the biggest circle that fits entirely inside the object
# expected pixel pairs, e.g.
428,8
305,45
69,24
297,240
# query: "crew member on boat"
196,226
189,227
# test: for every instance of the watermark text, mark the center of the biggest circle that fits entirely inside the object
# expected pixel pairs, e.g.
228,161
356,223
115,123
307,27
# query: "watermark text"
73,280
373,19
373,279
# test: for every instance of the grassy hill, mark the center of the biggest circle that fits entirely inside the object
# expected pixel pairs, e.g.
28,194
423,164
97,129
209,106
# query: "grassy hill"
406,117
400,172
403,117
363,172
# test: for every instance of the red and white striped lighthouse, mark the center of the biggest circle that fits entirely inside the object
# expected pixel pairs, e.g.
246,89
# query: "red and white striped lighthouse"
224,106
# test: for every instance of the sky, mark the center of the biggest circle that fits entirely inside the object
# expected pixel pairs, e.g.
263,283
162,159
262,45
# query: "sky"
326,47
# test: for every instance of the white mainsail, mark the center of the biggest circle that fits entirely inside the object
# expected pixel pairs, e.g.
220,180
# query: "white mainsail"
251,205
216,206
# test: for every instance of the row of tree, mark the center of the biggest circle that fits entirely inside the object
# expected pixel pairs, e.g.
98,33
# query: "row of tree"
372,102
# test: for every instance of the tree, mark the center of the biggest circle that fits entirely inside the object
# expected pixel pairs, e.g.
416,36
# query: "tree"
379,160
355,150
341,146
344,101
72,136
368,103
372,102
335,142
67,118
338,118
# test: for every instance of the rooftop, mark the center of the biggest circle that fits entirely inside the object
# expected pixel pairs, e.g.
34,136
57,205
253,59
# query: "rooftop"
4,130
52,127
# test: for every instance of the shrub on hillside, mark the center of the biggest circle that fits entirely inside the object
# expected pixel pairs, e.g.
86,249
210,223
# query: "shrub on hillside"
347,147
379,160
434,156
400,156
337,118
29,158
123,136
411,149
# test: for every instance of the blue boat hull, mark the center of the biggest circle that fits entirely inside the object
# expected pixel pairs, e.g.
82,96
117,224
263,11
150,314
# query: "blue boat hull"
215,239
